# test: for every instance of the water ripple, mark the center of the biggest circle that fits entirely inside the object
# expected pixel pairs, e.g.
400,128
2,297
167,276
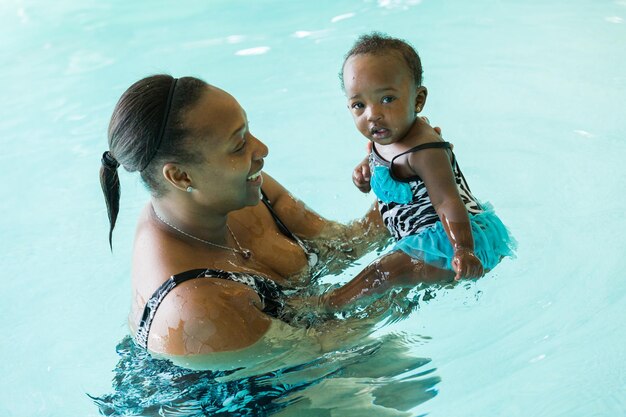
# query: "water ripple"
87,61
342,17
398,4
259,50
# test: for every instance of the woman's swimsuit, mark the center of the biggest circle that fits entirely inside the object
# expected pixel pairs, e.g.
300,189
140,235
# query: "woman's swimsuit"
270,293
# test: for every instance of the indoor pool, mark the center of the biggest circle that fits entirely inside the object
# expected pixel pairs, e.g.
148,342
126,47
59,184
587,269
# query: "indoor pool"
531,93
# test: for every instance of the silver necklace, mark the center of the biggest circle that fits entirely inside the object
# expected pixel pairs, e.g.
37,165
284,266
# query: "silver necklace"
245,253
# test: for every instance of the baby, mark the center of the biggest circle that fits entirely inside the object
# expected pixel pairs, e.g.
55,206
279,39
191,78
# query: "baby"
423,197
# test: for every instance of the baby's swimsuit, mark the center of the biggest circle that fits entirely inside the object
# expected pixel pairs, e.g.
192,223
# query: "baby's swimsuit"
408,213
271,294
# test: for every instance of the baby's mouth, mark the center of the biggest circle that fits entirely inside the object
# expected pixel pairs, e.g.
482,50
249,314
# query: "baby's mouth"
378,132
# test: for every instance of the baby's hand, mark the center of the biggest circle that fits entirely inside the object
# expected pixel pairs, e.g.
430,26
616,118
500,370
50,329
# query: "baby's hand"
466,264
361,175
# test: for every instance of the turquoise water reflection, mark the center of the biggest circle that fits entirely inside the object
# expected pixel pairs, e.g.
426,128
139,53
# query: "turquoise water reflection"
531,94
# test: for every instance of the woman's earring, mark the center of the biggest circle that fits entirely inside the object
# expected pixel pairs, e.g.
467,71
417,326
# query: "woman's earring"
189,189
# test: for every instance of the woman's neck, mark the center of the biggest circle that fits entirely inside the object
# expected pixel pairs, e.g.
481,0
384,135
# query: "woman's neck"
190,219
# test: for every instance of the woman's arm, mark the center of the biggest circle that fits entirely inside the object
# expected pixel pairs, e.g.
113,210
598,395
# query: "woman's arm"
218,324
360,235
299,218
205,316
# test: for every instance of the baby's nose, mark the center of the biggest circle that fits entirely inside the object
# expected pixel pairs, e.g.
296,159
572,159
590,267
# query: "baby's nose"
374,114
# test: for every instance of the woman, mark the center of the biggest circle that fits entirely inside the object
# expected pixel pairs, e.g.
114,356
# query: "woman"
211,264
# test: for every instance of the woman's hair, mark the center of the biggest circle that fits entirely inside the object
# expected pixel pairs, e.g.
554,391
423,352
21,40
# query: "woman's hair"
377,43
145,131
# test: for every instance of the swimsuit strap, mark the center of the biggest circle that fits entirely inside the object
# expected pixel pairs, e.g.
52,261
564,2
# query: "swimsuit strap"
269,292
310,253
281,226
429,145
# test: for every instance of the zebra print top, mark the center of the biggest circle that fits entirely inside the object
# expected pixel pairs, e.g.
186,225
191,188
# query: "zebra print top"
413,217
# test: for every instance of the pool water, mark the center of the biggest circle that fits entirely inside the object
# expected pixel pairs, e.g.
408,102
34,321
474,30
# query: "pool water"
530,93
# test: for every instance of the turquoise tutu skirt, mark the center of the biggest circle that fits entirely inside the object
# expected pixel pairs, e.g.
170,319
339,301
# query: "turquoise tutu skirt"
492,241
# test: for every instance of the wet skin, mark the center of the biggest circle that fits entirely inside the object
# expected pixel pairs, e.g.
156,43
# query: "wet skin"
384,101
211,315
382,97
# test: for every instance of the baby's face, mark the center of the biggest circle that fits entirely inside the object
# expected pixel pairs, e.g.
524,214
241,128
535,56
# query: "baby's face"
382,96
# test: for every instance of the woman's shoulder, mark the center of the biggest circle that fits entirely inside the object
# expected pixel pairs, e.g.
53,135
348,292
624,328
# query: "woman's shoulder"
200,315
207,315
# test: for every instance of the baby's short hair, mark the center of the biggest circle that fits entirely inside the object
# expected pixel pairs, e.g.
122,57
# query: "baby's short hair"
377,43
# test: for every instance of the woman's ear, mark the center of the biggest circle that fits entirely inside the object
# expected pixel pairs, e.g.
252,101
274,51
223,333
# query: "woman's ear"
420,98
176,176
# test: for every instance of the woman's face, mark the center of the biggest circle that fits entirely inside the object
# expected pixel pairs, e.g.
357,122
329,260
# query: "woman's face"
229,174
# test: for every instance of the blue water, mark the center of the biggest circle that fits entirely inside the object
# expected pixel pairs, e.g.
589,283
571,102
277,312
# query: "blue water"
531,94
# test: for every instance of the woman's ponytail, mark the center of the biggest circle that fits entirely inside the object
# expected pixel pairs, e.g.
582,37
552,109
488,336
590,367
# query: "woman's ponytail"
110,182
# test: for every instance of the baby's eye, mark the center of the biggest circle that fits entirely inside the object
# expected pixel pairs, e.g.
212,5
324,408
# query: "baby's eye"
357,105
387,99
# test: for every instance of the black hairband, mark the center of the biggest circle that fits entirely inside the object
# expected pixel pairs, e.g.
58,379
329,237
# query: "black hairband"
109,162
168,106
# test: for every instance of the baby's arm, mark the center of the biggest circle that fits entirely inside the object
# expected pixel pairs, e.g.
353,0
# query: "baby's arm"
433,166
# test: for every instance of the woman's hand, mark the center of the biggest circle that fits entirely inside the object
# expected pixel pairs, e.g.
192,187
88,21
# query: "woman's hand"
466,264
437,129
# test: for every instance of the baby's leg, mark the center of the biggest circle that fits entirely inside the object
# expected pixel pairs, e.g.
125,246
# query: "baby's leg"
394,270
407,272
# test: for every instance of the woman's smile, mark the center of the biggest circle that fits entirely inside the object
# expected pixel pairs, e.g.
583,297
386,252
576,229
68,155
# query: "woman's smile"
255,179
